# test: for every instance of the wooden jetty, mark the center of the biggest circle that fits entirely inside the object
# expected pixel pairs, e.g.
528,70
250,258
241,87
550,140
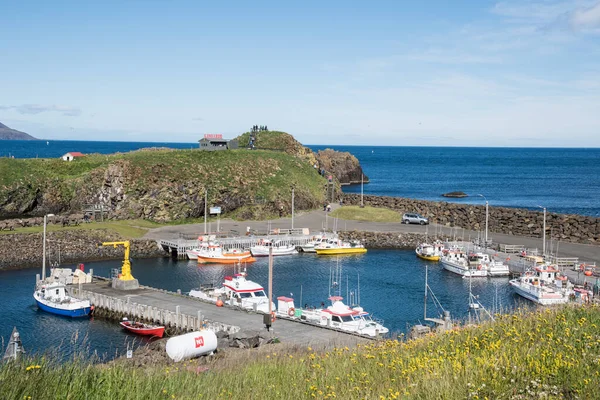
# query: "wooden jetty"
181,313
177,247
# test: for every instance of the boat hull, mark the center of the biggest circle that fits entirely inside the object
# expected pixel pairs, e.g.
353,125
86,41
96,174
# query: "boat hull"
158,331
276,252
474,273
225,260
73,313
350,250
521,291
428,258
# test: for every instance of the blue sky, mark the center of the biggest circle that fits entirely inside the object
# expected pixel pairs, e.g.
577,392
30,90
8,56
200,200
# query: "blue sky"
474,73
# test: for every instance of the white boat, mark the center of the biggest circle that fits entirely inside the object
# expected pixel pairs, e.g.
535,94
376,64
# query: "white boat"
316,241
53,298
279,248
494,267
543,285
430,252
338,315
237,291
457,261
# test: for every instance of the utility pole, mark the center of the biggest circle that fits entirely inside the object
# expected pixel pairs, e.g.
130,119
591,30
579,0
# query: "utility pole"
205,208
270,280
362,204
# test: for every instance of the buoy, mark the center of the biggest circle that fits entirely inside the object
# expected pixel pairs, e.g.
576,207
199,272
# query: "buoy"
219,303
588,273
191,345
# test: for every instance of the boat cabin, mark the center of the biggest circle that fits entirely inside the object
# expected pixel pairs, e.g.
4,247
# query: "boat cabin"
238,287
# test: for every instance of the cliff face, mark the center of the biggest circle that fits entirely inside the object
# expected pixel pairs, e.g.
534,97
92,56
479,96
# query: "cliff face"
7,133
344,166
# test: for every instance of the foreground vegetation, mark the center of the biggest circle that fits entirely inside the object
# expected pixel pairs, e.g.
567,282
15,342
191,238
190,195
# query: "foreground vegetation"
370,214
554,353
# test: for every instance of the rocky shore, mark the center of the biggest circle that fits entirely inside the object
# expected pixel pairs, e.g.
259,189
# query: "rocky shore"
25,249
511,221
385,240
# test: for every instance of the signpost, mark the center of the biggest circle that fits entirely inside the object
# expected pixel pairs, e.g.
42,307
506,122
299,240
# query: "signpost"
217,210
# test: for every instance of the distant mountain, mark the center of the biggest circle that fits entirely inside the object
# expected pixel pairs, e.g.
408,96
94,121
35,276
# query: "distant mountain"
11,134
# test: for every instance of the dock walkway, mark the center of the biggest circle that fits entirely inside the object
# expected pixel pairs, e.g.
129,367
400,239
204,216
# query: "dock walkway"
165,306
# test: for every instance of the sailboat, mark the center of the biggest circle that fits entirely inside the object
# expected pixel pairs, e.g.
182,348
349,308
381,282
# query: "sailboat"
53,297
476,309
443,322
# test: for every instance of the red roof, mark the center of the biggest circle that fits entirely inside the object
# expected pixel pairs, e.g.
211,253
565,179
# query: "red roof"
283,298
76,154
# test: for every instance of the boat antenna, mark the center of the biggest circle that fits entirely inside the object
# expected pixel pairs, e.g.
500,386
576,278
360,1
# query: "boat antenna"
358,295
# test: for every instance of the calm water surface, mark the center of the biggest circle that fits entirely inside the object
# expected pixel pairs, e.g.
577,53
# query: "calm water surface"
391,288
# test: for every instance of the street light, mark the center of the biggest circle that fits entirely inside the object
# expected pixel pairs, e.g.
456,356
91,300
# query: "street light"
544,237
486,219
44,246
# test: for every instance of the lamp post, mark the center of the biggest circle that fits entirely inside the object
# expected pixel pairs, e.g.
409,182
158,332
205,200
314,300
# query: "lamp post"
486,219
544,233
292,207
44,246
205,208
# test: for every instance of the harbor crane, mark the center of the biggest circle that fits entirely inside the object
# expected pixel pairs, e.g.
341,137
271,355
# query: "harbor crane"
126,268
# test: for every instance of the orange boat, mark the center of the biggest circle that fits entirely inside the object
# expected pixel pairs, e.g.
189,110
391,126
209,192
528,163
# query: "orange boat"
213,253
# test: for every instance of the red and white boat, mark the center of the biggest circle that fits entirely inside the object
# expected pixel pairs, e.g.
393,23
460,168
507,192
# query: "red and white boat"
141,328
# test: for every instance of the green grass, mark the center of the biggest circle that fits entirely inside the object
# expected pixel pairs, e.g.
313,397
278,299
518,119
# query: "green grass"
127,229
370,214
554,353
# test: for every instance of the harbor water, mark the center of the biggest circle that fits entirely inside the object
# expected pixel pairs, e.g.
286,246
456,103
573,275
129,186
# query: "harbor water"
391,288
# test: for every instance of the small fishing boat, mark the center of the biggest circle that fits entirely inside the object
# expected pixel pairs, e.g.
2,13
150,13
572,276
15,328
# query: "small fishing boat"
457,261
543,285
337,247
279,248
54,298
493,266
140,328
429,252
212,252
238,291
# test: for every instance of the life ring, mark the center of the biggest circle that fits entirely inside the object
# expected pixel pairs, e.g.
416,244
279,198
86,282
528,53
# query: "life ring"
479,267
291,312
272,317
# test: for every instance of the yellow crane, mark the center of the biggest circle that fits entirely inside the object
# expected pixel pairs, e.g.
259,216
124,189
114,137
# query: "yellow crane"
126,269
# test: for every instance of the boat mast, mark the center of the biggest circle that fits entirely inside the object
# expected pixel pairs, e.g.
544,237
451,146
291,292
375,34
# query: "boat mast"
425,297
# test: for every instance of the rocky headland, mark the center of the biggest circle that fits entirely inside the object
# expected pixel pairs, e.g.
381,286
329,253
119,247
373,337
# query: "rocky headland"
7,133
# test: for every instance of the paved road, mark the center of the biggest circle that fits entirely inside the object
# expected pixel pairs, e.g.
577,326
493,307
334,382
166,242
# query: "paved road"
318,220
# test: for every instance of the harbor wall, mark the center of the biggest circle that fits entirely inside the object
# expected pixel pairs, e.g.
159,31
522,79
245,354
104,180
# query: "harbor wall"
511,221
385,240
21,250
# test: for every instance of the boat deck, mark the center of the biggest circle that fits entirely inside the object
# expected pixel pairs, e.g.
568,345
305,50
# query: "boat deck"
187,308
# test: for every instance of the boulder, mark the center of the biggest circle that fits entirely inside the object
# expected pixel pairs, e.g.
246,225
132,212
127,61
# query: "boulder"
455,194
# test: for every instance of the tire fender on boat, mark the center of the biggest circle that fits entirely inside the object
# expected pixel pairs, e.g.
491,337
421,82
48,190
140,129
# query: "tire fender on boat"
291,312
479,267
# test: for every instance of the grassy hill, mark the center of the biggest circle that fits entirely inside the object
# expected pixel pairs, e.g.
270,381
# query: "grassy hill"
549,354
160,184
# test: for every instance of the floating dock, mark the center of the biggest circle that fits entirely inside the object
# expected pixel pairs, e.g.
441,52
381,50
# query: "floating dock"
181,313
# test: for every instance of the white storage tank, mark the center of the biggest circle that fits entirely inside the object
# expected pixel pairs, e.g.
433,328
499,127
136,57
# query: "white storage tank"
191,345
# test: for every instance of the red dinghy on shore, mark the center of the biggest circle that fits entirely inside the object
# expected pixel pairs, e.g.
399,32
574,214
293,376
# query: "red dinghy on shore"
140,328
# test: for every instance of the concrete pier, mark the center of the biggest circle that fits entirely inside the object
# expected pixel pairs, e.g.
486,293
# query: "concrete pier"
187,313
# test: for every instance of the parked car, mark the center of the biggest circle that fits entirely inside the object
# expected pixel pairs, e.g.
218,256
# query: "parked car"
413,218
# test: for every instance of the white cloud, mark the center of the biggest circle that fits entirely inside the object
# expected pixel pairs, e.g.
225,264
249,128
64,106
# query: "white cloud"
588,18
37,109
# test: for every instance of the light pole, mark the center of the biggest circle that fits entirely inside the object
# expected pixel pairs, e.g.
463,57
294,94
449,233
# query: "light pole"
292,207
544,234
44,246
205,208
486,219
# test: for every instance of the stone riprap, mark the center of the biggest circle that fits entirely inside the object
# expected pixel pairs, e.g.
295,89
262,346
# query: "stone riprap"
384,240
25,249
511,221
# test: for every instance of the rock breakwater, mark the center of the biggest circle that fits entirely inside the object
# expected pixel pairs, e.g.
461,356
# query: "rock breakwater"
511,221
384,240
21,250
